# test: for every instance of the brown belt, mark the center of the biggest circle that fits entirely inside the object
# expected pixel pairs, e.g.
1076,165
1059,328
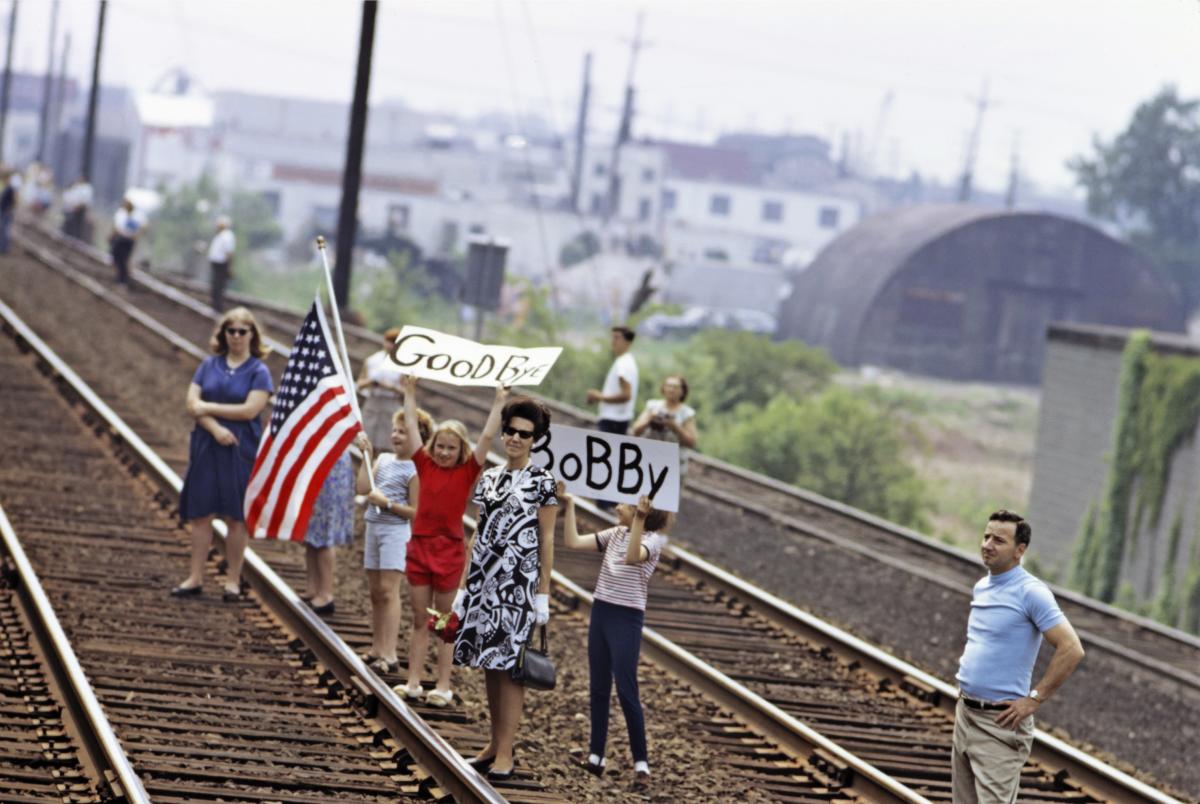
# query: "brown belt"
987,706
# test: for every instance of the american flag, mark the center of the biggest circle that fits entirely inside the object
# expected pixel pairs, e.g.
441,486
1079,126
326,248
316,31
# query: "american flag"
312,424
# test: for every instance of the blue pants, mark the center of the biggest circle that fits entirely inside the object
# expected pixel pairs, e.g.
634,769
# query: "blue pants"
614,642
6,219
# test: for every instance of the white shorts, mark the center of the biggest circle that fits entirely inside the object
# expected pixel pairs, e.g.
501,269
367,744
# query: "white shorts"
386,546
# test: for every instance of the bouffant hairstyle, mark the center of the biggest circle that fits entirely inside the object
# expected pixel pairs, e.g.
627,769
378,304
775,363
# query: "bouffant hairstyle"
683,386
425,425
456,429
238,315
1023,531
526,407
657,520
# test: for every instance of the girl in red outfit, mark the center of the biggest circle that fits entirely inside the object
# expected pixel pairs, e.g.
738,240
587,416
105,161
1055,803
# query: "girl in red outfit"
447,468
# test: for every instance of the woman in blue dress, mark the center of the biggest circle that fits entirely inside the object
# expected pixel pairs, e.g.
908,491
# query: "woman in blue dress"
227,394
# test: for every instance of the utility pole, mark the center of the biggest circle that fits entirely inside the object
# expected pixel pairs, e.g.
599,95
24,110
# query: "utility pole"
581,132
352,175
93,96
12,34
981,106
60,95
1014,174
625,131
48,84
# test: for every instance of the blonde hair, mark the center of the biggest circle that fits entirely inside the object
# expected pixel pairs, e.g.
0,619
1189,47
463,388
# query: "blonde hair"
425,424
219,346
455,428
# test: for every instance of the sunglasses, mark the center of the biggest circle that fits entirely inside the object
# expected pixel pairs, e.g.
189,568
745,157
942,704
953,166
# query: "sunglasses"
512,431
236,331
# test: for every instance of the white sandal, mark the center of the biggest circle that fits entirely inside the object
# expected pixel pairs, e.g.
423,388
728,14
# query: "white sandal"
440,698
409,693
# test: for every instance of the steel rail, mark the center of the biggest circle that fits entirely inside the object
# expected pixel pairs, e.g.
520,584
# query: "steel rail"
1097,777
791,734
430,750
91,726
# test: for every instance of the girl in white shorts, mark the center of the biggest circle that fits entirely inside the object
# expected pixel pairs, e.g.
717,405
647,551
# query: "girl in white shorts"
391,506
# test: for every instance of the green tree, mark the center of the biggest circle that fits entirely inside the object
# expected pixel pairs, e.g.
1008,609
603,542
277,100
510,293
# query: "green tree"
1147,180
398,294
254,221
726,369
836,443
182,223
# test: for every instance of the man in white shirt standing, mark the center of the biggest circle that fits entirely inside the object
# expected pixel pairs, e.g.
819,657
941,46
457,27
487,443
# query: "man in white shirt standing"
618,398
220,258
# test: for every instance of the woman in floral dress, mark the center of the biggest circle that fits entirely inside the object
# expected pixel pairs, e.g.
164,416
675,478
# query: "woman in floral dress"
505,590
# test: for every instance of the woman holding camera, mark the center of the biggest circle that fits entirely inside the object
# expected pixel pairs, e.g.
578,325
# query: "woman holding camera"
669,419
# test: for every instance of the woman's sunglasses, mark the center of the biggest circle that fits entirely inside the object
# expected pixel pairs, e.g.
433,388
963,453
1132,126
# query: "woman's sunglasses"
236,331
512,431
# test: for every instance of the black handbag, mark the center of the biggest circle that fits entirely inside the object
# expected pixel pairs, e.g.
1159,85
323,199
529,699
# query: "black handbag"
533,669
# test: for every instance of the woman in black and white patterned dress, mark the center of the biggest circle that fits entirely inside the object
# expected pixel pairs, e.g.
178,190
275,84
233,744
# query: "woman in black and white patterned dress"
505,590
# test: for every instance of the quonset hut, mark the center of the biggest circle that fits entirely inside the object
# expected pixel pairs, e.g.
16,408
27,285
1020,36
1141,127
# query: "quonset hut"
967,293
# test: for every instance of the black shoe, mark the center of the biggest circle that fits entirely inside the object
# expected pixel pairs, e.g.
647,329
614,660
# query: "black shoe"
481,764
187,591
494,775
231,597
321,611
592,768
641,782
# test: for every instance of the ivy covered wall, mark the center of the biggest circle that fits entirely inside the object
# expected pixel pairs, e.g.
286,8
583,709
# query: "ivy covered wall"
1158,408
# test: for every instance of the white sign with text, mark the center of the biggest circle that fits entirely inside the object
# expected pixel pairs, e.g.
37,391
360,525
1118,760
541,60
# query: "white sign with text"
435,355
617,468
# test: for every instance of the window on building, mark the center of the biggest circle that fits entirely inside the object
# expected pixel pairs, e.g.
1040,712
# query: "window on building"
600,169
828,217
648,174
476,229
772,211
448,241
597,203
719,205
645,209
668,200
271,197
397,218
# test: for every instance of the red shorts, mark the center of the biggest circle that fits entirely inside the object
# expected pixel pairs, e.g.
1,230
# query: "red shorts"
435,561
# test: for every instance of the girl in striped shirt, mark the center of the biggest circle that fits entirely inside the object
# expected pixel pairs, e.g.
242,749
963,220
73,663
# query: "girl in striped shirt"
631,551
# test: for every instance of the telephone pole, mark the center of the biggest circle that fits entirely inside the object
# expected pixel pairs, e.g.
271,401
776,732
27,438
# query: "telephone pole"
48,84
625,130
93,97
4,86
581,132
352,175
981,106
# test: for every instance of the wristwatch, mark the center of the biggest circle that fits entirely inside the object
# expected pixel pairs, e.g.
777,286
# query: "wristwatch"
1037,696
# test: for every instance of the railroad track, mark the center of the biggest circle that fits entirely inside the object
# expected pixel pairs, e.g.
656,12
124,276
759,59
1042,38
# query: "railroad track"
211,701
55,742
722,740
1147,644
906,736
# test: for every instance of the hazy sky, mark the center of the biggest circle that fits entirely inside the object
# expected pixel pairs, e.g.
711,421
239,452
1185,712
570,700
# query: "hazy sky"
1059,71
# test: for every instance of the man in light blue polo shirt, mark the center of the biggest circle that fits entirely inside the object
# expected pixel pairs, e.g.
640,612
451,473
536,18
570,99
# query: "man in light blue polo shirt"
1010,613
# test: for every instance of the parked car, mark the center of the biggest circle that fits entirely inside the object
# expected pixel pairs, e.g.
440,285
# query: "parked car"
694,319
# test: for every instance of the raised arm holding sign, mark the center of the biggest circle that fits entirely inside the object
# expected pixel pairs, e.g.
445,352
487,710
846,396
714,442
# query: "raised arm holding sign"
606,466
435,355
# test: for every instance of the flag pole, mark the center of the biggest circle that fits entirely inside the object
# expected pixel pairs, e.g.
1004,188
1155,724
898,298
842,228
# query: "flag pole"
345,355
